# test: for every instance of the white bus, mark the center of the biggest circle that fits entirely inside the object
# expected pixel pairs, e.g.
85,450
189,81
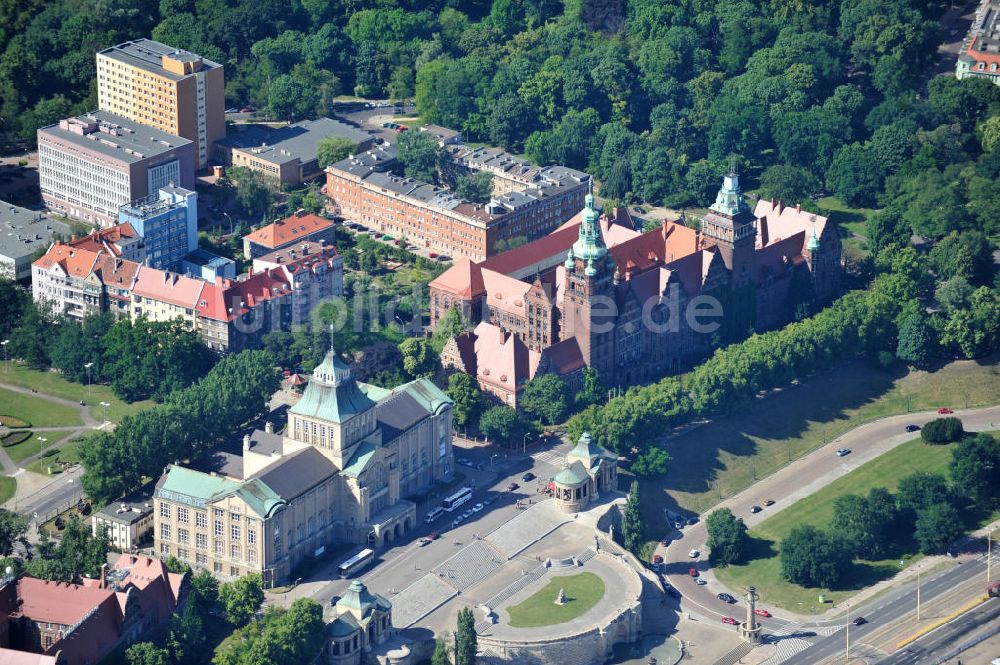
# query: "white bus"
357,563
433,514
463,495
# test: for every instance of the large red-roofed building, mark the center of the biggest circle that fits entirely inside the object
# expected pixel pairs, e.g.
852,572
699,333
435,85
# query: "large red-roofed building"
600,293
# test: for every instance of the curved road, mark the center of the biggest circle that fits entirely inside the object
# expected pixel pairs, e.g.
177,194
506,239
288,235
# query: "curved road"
799,479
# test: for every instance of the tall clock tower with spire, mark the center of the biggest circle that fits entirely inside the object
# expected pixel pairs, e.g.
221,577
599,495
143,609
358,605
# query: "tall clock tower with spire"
588,283
729,225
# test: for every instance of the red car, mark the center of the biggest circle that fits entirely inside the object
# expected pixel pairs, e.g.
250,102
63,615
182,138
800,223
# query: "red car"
657,558
434,535
731,621
761,613
945,410
693,572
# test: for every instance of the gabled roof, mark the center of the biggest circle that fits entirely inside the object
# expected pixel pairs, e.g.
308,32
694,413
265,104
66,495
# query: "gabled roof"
464,279
332,394
502,359
288,230
565,356
73,261
58,602
108,239
226,300
777,222
296,474
359,461
505,293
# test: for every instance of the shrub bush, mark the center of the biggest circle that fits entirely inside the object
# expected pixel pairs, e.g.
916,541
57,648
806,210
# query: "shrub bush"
13,423
15,438
942,430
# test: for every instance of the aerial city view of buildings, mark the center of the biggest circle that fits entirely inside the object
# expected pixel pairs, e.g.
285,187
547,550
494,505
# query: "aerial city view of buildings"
360,381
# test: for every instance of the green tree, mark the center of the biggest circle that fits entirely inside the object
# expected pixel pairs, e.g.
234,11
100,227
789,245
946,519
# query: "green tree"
419,358
937,527
451,324
886,228
241,598
420,155
788,183
943,430
975,469
592,391
855,175
864,524
475,187
547,398
633,531
13,528
727,537
501,424
920,490
442,654
812,558
654,461
30,340
186,636
916,341
13,302
204,590
967,254
466,641
975,331
147,653
469,400
332,149
953,293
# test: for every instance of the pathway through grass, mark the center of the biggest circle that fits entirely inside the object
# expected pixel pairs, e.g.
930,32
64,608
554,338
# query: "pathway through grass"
51,383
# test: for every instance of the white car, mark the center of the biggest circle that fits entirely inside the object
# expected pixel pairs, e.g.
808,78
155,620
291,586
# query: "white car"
843,451
679,526
478,507
700,582
458,520
467,514
694,554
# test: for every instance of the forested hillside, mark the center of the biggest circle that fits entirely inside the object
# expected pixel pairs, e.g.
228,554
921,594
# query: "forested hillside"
822,92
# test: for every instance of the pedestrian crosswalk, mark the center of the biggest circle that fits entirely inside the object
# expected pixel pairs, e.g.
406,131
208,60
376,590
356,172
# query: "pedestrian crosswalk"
786,642
550,457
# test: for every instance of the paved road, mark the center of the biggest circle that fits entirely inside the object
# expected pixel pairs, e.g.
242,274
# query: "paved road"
943,641
801,478
898,606
397,567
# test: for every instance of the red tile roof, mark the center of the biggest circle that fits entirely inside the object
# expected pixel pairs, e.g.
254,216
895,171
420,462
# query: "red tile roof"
58,602
464,279
294,259
73,261
106,240
168,287
288,230
226,299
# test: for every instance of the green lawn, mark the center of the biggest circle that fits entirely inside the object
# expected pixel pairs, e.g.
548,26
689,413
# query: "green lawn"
764,569
32,446
852,219
36,411
52,383
70,453
583,591
8,486
729,454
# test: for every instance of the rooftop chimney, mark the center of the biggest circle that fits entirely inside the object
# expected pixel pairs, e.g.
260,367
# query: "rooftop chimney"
246,442
269,427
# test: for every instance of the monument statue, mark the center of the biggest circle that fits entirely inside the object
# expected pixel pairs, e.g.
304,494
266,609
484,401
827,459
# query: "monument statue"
561,598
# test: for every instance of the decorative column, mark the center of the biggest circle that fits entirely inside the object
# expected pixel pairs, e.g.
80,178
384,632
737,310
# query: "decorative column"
749,629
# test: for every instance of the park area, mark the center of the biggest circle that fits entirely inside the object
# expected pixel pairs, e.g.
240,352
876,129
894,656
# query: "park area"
763,570
582,592
725,456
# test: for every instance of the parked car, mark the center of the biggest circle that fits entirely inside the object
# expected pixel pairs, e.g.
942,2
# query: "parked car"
693,572
692,520
488,500
913,428
528,477
467,514
512,486
726,598
657,559
859,621
464,462
458,520
945,411
477,508
434,535
700,582
761,612
232,110
694,554
731,621
678,525
843,451
424,541
755,509
246,109
768,502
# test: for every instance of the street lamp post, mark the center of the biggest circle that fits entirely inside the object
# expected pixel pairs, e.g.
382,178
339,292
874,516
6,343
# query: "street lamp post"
88,366
989,555
105,405
524,441
4,345
41,444
918,593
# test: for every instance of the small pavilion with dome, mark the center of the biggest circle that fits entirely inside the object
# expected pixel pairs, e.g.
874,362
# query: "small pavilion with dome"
590,470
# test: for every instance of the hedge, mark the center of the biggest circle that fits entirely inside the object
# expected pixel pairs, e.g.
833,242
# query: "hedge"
942,430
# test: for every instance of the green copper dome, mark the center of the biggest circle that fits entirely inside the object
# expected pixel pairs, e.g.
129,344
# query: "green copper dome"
813,244
590,245
729,201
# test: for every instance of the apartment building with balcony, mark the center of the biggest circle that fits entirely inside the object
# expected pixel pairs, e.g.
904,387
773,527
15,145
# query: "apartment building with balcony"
173,90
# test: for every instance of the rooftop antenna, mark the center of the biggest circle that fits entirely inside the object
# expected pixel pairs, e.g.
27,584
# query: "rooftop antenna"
332,352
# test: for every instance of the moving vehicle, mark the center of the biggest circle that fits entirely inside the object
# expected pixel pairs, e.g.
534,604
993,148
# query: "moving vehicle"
945,411
768,502
859,621
731,621
356,563
694,554
913,428
726,598
843,451
424,541
993,590
693,572
460,497
761,612
434,513
512,486
528,477
434,535
755,509
700,582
